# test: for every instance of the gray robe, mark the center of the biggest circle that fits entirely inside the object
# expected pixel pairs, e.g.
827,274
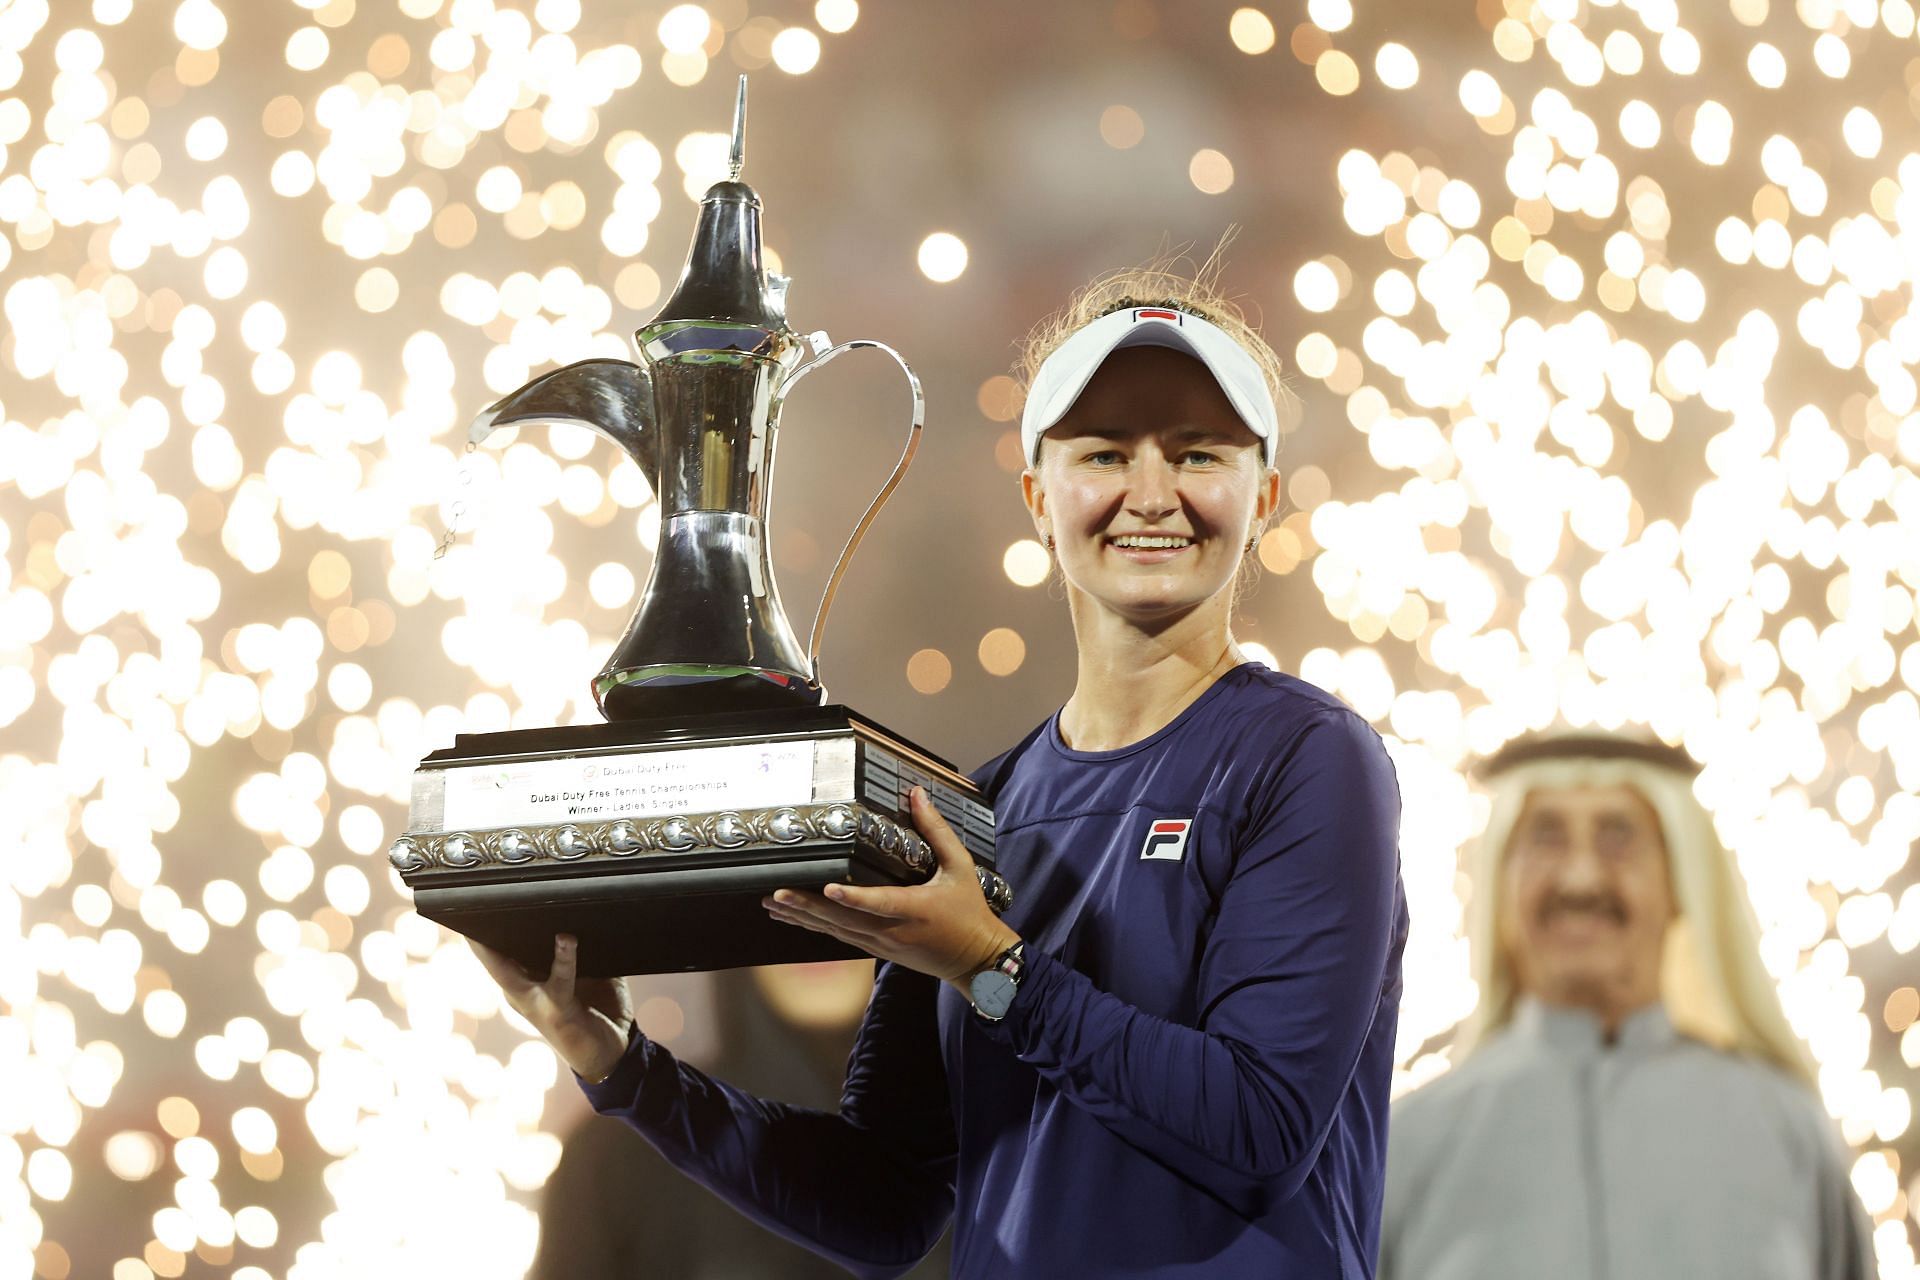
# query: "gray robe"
1551,1153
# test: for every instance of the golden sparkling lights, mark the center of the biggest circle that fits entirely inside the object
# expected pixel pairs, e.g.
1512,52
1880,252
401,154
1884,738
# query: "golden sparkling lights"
216,500
1027,563
1121,127
1210,171
942,257
1396,66
929,671
1629,349
836,16
1251,31
1337,72
1635,274
1002,651
796,50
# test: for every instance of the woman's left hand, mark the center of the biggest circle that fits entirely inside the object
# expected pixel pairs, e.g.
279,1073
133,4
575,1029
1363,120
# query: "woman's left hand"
943,927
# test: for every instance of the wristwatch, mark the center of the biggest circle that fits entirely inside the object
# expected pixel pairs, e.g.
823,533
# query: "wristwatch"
993,988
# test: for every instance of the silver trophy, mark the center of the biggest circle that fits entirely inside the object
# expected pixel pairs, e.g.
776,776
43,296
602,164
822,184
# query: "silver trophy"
722,774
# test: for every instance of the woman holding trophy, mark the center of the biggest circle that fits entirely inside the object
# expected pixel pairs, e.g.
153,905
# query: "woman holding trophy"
1171,1055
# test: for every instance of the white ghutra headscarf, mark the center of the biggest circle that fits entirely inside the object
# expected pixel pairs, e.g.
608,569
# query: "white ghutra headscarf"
1712,982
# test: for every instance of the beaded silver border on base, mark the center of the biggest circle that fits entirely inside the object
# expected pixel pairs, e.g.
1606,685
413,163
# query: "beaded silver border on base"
721,832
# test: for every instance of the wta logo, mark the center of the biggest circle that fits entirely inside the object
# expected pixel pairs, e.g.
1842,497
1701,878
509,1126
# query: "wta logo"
1167,839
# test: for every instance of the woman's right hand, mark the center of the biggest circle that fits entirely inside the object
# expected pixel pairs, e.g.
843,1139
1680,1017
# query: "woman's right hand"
586,1020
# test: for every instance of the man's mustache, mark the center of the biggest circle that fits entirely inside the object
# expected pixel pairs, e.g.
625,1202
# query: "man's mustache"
1606,906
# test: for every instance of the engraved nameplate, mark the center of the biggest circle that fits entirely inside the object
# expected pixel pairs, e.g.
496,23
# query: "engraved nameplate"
641,784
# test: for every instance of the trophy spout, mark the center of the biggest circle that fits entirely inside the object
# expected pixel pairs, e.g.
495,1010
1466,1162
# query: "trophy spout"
612,397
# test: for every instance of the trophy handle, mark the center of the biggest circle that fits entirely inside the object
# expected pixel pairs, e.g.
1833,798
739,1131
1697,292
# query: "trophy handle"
879,499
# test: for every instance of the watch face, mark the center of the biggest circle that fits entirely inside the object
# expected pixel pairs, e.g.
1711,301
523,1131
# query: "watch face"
992,993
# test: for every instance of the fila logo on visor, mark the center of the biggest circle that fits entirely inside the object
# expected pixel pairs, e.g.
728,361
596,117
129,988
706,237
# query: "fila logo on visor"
1155,313
1167,839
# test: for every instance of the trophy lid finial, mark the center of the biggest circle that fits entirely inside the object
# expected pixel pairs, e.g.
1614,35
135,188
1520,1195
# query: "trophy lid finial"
725,278
737,157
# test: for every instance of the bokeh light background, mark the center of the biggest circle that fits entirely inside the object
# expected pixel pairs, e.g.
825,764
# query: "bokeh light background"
1602,321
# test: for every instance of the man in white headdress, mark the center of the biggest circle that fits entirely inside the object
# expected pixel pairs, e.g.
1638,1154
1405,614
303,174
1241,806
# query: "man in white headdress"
1628,1100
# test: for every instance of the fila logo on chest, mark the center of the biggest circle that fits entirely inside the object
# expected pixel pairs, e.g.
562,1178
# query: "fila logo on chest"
1167,839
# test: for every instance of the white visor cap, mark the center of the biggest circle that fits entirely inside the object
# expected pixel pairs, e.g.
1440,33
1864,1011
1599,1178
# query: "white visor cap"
1065,374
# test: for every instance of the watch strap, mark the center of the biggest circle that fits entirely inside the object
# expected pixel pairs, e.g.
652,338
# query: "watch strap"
1012,961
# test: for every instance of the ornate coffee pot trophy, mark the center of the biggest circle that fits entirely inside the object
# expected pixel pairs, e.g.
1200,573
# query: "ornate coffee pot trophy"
722,775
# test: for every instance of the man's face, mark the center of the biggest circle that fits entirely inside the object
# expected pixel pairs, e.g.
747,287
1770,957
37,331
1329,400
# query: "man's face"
1586,899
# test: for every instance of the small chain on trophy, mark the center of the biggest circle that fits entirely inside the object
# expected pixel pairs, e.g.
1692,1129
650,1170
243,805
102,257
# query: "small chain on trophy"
457,509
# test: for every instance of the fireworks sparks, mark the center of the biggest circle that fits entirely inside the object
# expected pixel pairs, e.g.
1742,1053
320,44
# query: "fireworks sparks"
1624,335
1511,330
159,489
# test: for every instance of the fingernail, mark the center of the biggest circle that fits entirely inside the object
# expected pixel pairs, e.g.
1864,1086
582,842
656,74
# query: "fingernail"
835,892
919,793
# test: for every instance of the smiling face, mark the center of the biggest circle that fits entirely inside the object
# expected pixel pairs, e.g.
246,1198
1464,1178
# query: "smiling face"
1150,487
1586,899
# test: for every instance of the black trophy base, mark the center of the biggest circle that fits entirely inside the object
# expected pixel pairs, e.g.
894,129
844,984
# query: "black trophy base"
652,920
518,836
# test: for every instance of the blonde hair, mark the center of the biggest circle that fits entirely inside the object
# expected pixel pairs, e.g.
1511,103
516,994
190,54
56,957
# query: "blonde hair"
1158,282
1712,982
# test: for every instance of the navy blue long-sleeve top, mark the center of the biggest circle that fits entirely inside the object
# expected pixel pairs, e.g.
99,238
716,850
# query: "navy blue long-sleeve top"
1193,1078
